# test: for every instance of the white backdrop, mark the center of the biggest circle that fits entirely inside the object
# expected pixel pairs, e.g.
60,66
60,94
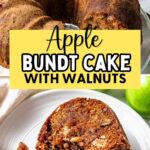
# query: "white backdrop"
145,4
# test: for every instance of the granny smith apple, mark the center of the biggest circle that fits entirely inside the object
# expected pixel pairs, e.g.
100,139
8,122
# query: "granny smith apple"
139,99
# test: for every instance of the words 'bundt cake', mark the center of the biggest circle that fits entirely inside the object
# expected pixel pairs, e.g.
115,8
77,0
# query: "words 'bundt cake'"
45,14
82,124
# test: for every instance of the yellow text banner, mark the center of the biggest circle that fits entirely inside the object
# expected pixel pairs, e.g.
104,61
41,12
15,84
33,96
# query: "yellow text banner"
75,59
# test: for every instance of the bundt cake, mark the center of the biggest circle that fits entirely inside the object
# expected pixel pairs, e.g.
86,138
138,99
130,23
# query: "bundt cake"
82,124
42,14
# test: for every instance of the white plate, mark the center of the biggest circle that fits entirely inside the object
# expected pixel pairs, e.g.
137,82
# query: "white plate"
25,122
4,71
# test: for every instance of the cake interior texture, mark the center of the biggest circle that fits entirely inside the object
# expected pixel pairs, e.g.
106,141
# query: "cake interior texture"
82,124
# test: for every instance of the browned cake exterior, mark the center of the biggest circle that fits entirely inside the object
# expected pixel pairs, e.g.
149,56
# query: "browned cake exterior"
21,14
11,18
82,124
43,22
22,146
109,14
41,14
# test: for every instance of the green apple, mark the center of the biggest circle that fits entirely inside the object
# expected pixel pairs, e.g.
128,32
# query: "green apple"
140,99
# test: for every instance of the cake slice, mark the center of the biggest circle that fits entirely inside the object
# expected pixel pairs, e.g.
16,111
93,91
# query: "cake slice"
82,124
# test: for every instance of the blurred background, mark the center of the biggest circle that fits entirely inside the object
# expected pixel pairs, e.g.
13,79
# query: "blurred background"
145,4
145,13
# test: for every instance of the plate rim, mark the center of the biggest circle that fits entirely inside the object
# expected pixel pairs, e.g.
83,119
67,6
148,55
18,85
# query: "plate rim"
53,91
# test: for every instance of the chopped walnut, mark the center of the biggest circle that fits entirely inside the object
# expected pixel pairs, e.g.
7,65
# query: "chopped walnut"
101,142
66,130
103,137
105,109
76,139
105,122
110,18
66,145
81,144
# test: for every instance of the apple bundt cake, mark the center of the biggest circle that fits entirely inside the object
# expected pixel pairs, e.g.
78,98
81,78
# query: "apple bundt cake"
45,14
82,124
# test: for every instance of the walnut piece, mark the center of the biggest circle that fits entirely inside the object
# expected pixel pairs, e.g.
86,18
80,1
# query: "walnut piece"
101,142
66,130
66,145
76,139
105,122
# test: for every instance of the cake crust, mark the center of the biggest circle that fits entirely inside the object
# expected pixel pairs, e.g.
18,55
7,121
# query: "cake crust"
112,14
22,146
82,124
